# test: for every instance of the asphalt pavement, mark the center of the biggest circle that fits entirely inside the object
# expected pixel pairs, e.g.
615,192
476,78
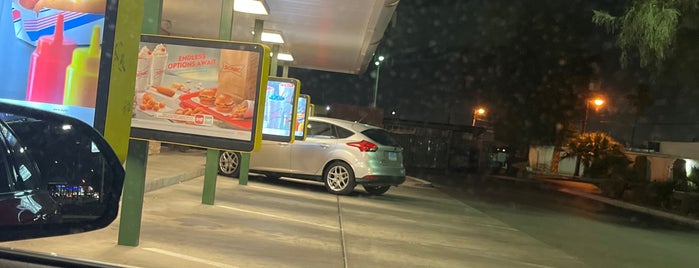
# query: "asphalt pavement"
563,184
289,223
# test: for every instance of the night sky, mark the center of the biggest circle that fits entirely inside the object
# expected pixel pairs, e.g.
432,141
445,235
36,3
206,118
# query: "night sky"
444,57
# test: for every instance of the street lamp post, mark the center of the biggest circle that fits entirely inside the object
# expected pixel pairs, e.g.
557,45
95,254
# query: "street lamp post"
376,84
476,112
598,102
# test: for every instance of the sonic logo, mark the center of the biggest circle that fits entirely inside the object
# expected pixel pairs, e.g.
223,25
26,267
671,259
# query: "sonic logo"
236,69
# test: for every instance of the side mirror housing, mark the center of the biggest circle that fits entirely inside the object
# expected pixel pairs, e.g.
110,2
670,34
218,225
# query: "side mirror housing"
58,175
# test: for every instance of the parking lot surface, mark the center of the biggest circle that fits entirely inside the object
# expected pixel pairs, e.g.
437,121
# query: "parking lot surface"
292,224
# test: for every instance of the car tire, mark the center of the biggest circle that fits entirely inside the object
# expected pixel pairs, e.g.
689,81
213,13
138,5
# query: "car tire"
229,164
339,178
376,190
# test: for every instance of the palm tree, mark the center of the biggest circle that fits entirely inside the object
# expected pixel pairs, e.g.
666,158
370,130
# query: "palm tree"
598,152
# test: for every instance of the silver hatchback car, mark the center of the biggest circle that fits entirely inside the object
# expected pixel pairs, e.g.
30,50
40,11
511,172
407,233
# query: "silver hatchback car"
340,153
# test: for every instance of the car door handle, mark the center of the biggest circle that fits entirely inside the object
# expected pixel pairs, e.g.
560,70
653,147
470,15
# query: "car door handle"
283,144
325,146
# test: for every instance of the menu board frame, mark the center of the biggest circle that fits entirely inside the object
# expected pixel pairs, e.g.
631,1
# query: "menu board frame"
187,133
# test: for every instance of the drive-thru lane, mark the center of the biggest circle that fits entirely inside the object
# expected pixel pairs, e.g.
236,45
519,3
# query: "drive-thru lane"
292,224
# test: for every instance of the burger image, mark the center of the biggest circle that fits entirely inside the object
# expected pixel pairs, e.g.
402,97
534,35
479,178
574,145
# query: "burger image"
207,96
224,103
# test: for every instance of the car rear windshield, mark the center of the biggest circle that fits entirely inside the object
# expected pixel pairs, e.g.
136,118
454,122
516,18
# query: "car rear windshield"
381,136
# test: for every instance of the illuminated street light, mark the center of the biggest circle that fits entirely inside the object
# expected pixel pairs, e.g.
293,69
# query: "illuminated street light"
376,85
597,102
480,111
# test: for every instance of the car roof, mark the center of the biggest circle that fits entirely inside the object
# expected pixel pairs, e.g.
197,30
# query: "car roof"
359,127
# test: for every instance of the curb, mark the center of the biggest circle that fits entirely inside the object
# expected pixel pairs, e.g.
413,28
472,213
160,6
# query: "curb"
422,183
163,182
657,213
613,202
172,180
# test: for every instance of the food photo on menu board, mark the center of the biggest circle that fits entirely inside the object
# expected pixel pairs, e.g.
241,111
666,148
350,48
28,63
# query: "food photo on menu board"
53,48
196,90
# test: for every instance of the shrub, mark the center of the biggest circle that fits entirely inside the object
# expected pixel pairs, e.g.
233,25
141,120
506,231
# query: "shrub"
658,193
601,155
682,182
679,171
613,188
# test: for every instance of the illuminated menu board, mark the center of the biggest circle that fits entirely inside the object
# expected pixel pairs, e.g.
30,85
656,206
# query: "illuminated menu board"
199,92
280,109
52,52
302,113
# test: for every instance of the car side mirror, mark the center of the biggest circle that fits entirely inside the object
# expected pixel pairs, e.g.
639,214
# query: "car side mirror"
58,175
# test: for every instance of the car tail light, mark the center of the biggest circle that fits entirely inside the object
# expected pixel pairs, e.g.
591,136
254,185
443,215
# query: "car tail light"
364,146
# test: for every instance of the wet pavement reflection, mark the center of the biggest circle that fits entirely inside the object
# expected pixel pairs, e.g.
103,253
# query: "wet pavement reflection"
599,234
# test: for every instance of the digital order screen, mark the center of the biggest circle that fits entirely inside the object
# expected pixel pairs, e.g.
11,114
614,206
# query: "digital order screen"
301,116
280,109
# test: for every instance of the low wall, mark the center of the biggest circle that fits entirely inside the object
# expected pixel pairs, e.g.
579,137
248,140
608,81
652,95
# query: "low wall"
540,159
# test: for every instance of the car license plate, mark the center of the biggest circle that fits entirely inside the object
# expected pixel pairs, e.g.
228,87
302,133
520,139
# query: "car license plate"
393,156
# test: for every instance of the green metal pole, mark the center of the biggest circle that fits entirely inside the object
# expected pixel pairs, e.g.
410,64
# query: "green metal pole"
210,175
208,195
245,157
132,197
226,24
244,168
273,64
137,156
153,10
285,70
259,27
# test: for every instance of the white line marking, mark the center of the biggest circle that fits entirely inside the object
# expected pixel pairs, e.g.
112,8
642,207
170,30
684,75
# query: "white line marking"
342,232
274,190
280,217
189,258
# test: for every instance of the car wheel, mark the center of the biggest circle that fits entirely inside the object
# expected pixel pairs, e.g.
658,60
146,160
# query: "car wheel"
339,178
376,190
229,164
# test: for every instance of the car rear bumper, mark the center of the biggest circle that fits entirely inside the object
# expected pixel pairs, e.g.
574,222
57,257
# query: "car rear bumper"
380,180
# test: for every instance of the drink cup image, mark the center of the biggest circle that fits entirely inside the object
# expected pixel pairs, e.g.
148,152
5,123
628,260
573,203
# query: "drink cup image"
145,58
276,109
157,69
286,111
246,108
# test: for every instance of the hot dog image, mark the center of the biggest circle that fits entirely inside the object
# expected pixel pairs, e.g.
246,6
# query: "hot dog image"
84,6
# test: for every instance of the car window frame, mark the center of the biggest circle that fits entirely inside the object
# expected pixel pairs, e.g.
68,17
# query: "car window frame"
332,129
337,132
